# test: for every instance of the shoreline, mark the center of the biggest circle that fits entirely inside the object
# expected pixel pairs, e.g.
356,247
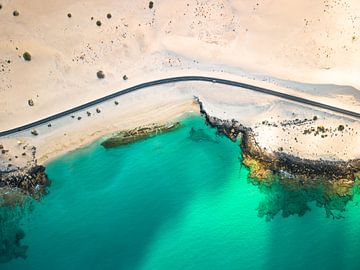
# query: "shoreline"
263,165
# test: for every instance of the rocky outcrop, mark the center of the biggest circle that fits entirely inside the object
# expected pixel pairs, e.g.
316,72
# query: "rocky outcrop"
290,183
20,172
263,163
31,180
137,134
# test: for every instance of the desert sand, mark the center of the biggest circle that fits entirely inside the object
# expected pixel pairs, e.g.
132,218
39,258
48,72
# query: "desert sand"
305,48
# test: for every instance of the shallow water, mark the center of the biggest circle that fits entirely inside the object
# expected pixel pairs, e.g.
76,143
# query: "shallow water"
180,200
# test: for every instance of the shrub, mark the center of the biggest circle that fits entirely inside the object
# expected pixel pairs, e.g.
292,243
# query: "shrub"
0,6
100,74
98,23
16,13
151,4
341,127
31,102
108,16
69,15
27,56
125,77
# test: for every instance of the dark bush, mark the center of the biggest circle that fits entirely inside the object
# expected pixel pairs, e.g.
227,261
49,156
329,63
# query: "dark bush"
27,56
69,15
125,77
16,13
151,4
108,16
98,23
0,6
100,74
341,127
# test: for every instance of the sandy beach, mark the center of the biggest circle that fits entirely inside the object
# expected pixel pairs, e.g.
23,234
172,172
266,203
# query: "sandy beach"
307,53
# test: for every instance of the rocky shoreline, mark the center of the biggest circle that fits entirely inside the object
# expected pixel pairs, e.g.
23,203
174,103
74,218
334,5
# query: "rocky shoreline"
290,183
32,180
28,178
263,164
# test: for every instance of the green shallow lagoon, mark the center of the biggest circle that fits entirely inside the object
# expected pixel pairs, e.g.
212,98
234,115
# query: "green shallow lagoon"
180,200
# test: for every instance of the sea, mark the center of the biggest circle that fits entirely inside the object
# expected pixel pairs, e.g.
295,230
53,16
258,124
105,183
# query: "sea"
178,200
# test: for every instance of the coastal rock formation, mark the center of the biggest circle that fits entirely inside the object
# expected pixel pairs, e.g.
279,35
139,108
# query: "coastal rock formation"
137,134
31,180
290,183
263,163
20,171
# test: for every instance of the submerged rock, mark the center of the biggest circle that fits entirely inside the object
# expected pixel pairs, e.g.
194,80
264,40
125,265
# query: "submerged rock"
11,234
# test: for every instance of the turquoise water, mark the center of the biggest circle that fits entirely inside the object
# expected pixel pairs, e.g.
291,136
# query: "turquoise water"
180,200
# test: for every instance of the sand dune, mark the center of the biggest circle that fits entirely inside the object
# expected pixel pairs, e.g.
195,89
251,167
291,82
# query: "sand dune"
303,47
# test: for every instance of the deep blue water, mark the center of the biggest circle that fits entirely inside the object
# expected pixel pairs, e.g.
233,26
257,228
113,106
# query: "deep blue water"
180,200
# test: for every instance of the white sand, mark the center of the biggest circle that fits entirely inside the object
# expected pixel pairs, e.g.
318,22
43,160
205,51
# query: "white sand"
268,43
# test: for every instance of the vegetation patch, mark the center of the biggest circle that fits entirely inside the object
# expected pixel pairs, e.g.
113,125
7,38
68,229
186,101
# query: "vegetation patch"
100,74
27,56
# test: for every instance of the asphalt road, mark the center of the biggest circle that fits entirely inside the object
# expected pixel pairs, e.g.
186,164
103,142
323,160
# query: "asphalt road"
297,99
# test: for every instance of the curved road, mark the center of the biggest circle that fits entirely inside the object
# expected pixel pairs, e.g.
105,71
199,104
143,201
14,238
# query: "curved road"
181,79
